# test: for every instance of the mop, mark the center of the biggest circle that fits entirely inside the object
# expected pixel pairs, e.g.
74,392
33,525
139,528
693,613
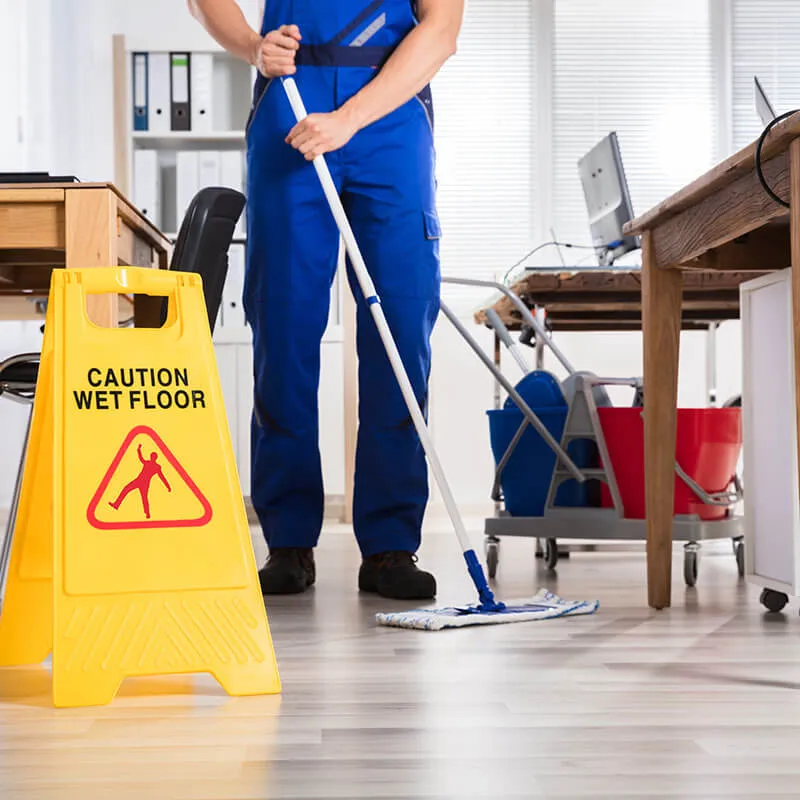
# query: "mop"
488,610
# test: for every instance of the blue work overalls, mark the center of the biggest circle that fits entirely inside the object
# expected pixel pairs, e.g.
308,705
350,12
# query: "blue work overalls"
385,176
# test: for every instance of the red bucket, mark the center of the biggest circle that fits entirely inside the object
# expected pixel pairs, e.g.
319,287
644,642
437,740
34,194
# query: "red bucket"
708,449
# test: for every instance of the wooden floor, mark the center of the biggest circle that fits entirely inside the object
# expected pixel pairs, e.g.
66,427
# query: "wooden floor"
700,701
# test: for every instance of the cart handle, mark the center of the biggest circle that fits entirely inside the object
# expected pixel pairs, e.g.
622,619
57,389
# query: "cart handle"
523,309
530,417
724,499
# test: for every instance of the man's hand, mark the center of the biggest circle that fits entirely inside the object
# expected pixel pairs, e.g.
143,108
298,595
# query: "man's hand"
318,134
275,52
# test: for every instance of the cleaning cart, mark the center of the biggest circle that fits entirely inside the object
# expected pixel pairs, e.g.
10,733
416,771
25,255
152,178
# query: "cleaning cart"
538,497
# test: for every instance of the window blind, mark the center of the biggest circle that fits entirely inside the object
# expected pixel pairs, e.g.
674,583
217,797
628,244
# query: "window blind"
765,43
484,101
642,68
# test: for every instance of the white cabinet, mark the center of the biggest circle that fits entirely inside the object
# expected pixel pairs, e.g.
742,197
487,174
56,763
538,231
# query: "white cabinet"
235,365
772,513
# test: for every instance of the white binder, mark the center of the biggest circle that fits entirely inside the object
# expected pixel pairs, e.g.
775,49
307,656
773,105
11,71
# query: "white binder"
159,90
187,181
231,174
232,308
147,184
208,169
202,78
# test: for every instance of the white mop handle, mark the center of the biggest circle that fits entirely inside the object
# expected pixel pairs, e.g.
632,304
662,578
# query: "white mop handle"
328,186
368,289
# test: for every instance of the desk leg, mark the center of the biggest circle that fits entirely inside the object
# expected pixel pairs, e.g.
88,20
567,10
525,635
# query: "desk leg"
662,291
91,238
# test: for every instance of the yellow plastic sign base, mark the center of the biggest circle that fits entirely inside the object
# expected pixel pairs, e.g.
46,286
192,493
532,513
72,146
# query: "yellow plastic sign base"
132,552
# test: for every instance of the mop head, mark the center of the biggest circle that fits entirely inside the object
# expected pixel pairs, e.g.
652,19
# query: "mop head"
545,605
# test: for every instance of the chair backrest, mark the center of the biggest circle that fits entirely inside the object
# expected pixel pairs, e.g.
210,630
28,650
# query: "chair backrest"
18,376
203,243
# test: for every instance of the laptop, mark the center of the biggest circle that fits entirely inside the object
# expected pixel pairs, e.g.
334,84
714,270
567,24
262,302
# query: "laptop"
35,177
764,108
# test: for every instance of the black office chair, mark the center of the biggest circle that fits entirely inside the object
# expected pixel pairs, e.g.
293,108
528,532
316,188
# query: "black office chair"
202,247
203,243
18,376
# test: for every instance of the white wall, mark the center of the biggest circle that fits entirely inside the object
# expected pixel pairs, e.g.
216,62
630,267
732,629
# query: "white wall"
18,73
68,125
11,63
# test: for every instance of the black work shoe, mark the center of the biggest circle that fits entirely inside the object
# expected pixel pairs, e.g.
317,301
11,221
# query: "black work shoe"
395,574
289,570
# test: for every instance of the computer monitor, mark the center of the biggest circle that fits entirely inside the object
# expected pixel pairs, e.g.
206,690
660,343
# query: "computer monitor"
608,201
764,108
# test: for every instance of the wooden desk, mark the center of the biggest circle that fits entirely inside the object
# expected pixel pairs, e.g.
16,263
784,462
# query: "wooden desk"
48,226
722,221
611,300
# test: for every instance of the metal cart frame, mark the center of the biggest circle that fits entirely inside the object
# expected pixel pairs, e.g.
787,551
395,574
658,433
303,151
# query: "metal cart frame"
591,523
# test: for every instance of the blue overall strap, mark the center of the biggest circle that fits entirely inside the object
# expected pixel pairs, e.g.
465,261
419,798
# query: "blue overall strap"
331,55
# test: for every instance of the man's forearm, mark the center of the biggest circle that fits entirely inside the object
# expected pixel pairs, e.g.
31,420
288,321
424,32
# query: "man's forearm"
409,69
226,23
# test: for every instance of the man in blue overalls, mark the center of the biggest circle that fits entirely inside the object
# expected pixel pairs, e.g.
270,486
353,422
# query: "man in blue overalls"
363,69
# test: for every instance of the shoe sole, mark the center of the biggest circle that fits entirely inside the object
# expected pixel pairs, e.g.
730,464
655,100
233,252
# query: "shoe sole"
287,589
292,590
397,595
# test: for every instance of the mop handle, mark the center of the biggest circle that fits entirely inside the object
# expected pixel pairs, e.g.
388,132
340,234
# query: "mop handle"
505,337
368,288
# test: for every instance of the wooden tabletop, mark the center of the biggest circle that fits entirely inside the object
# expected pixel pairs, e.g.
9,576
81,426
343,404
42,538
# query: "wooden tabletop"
611,300
33,231
56,192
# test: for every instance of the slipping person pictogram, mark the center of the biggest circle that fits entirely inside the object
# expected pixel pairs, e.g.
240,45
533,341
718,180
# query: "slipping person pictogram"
150,468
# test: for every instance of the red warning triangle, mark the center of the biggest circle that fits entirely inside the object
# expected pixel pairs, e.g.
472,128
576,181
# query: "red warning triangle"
136,504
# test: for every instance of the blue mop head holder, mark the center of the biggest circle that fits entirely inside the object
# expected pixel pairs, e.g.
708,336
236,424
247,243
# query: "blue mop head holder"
488,603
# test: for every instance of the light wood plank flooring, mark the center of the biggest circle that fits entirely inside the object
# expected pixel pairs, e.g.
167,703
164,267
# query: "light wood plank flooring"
701,701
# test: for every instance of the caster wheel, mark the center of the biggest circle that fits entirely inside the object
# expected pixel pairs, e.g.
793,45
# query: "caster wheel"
773,601
690,568
551,554
492,558
740,558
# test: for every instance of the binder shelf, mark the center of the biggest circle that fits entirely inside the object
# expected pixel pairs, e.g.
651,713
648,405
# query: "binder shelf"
188,93
184,124
180,117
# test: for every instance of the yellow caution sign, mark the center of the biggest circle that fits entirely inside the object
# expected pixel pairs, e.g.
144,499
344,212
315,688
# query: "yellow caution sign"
132,552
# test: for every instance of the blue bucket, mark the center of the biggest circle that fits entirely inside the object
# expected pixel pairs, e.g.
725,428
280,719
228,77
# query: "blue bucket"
525,480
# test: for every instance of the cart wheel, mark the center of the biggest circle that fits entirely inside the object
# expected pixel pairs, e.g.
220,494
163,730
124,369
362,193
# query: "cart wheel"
773,601
492,557
551,554
690,567
740,558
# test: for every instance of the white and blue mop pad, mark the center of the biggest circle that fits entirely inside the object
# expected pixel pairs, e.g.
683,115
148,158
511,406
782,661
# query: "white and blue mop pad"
544,605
